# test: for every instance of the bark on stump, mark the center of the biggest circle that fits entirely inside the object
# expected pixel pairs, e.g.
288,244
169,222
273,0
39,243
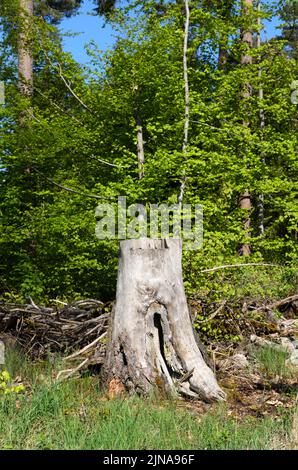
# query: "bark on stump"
152,342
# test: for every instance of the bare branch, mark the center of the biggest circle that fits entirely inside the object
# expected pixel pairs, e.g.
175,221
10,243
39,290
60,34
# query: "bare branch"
69,372
57,106
213,315
86,348
94,196
217,268
72,91
93,157
277,304
59,68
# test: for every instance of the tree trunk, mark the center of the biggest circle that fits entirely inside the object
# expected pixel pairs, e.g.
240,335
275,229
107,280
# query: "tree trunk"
262,126
140,145
186,100
152,344
245,201
223,55
245,204
25,58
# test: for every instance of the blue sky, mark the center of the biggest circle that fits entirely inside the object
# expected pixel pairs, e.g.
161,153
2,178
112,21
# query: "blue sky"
93,28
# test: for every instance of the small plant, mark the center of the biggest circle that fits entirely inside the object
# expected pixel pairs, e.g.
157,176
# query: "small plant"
7,386
272,361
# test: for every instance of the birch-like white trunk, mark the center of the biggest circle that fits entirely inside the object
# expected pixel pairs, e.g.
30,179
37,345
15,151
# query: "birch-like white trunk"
186,98
140,146
261,206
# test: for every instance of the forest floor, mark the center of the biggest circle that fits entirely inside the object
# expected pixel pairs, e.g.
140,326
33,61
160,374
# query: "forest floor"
261,410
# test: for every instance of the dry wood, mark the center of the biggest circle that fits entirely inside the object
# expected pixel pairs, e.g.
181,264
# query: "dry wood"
86,348
152,342
41,330
213,315
277,304
240,265
80,329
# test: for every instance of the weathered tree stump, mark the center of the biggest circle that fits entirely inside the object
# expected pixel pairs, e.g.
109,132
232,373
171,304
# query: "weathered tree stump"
152,341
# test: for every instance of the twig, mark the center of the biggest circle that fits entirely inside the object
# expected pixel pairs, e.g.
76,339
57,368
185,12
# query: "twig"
217,268
185,376
70,372
59,68
93,157
58,107
58,301
93,196
33,304
213,315
86,348
209,125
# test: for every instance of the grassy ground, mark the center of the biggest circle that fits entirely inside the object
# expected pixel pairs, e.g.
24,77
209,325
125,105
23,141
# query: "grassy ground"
75,414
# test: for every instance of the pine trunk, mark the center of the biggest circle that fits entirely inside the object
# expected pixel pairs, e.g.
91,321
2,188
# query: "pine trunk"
25,58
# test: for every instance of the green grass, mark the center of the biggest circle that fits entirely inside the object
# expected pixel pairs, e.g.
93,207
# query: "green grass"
271,361
76,415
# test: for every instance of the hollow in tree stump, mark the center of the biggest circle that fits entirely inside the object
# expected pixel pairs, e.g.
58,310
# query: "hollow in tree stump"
152,341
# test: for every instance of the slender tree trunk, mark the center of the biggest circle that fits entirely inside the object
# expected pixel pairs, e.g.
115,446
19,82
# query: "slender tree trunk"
152,344
185,76
140,145
139,129
25,57
245,201
186,98
222,55
262,125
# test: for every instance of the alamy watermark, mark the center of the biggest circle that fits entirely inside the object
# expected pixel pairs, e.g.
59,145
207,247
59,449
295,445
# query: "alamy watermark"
155,221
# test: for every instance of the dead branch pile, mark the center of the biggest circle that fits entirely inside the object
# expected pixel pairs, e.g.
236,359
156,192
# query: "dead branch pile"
41,330
79,329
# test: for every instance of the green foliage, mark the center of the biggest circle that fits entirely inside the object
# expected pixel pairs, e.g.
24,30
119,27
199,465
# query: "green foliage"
83,117
6,386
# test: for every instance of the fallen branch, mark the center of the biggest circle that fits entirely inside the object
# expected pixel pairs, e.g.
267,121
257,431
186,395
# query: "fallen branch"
217,268
213,315
69,372
86,348
277,304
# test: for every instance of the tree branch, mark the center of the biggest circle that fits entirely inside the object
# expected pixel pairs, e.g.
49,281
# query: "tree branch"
93,157
213,315
93,196
59,68
57,106
217,268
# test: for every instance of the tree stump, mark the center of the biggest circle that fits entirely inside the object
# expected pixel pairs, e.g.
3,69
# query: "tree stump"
152,342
